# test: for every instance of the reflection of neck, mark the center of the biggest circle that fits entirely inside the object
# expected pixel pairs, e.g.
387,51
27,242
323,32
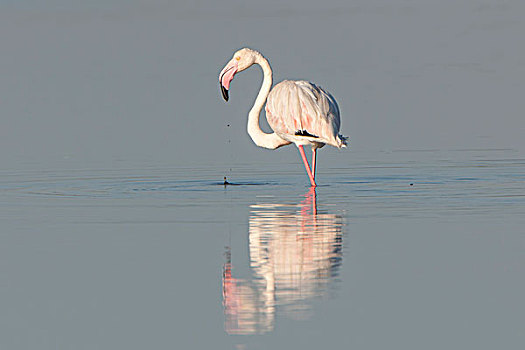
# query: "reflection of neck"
259,137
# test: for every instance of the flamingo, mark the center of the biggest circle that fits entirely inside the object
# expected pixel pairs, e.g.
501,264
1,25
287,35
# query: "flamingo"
298,112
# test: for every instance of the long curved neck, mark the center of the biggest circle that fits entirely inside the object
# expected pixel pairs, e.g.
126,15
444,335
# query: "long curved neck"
259,137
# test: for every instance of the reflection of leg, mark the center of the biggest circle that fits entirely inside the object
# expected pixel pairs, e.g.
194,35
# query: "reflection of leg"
309,199
314,155
314,200
306,166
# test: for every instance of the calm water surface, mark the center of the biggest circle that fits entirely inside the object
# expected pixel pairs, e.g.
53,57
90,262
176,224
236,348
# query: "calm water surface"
407,249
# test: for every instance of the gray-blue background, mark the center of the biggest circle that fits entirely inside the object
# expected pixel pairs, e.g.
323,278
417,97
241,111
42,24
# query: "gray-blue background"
109,79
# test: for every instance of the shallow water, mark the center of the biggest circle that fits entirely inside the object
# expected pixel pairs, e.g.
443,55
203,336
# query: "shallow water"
407,249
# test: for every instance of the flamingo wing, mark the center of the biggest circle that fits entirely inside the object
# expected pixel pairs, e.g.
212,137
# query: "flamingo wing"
300,109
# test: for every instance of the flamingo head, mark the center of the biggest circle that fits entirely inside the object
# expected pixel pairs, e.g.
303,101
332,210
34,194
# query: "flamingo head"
241,60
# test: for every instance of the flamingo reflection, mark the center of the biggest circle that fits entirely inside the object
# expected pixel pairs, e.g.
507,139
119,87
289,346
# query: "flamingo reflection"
295,254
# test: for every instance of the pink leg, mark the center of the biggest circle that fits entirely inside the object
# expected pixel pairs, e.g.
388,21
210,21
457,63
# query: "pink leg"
307,167
314,155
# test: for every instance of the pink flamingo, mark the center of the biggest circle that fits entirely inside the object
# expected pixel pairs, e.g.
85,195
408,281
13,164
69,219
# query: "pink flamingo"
297,111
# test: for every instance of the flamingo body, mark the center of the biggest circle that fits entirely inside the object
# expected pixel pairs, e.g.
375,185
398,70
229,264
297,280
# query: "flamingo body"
305,114
298,112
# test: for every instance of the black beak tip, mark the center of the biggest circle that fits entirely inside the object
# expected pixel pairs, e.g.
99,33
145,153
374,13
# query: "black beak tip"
224,93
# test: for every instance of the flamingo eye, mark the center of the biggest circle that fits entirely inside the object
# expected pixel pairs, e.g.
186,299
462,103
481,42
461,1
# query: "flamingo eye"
238,58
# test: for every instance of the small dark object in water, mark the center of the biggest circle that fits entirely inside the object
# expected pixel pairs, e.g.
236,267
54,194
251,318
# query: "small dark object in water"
410,184
226,182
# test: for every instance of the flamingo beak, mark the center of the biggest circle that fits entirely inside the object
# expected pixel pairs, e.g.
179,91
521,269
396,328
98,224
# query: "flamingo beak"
224,93
226,76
